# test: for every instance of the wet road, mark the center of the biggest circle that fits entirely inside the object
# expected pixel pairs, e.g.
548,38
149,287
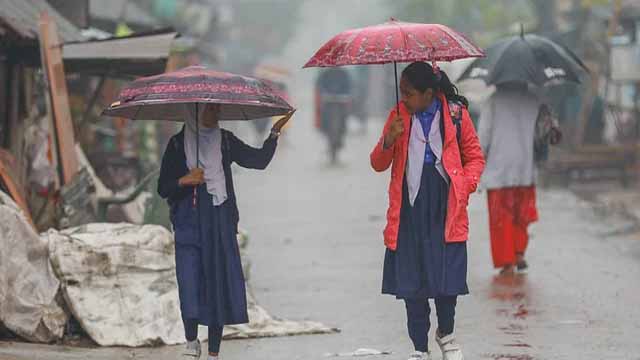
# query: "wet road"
321,258
316,252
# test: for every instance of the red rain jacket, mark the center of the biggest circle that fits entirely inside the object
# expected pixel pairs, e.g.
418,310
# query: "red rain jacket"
463,169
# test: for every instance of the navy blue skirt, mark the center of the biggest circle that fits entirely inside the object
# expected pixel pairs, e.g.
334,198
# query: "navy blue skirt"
423,265
208,267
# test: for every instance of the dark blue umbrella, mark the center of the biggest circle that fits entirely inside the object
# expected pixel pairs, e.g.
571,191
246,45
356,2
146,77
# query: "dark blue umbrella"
526,58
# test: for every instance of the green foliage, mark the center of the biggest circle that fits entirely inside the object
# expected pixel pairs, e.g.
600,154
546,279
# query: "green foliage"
483,20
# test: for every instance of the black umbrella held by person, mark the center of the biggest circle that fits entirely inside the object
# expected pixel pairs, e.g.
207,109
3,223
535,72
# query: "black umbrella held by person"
526,58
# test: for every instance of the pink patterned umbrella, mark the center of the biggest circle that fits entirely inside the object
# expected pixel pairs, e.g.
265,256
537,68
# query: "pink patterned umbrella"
156,97
393,42
161,97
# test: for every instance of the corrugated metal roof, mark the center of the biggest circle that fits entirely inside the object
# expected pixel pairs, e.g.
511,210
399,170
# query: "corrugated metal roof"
151,46
136,55
22,17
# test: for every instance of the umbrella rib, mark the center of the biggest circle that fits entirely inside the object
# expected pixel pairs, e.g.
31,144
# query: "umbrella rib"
571,56
538,60
243,113
500,60
404,39
350,39
139,107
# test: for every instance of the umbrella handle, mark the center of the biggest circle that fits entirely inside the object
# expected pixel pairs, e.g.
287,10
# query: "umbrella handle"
395,72
195,195
195,188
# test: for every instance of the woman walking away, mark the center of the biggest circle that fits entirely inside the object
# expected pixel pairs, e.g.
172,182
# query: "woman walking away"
436,162
204,215
507,132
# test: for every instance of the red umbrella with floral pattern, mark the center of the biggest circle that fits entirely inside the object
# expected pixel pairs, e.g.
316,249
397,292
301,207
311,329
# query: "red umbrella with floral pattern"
393,42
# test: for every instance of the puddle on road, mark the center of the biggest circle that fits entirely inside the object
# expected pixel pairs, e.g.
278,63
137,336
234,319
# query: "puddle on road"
512,294
509,287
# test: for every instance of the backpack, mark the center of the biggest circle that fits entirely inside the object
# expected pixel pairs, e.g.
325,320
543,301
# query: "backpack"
455,108
546,133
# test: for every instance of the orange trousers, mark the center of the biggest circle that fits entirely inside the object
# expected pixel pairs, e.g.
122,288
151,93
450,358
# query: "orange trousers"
511,210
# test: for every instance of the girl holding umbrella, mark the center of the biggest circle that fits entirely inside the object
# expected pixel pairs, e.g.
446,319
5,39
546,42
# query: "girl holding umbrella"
196,179
436,161
210,279
433,172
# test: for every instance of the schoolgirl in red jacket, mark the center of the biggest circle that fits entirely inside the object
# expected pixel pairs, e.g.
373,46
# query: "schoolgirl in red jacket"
436,162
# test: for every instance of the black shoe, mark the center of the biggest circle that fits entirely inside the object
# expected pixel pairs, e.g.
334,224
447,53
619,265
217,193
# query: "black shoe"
522,265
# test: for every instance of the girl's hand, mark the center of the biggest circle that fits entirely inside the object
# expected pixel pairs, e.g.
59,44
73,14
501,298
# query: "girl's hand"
194,177
395,129
282,122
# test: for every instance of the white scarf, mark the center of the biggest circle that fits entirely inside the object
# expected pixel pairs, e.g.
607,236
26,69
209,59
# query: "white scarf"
210,155
415,157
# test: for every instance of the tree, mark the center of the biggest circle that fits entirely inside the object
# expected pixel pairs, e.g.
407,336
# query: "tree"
484,20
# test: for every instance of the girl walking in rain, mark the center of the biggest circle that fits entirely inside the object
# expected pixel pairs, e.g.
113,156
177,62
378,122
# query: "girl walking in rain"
205,221
436,162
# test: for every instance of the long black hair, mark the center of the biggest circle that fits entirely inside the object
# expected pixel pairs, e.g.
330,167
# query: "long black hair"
421,76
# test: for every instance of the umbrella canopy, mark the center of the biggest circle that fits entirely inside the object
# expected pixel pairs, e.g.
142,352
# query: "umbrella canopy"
156,97
394,41
526,58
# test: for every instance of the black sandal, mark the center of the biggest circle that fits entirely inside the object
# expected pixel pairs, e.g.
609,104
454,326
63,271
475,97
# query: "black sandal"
522,265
